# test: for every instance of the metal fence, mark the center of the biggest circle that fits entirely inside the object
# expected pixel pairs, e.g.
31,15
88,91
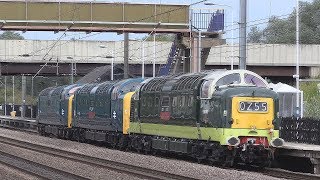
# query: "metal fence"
30,110
207,19
301,130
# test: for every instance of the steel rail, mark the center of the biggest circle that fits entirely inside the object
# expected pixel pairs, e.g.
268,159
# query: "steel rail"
35,169
280,173
103,163
130,169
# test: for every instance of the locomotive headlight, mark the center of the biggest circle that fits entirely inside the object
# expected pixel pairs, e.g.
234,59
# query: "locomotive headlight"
271,131
233,141
277,142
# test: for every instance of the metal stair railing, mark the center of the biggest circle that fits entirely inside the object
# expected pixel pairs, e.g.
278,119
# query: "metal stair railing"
165,69
216,24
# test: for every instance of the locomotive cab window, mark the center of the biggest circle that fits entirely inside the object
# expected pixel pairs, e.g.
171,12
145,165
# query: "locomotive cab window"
251,79
205,89
229,79
114,94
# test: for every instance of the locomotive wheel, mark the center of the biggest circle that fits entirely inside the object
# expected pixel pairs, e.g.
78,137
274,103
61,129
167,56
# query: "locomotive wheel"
229,158
115,141
147,144
122,144
82,138
198,152
228,161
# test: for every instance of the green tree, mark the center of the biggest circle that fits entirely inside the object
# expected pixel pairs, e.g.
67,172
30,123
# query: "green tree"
311,99
11,35
255,35
281,30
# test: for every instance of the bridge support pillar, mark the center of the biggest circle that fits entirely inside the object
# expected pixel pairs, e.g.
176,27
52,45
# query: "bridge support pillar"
316,165
195,55
126,56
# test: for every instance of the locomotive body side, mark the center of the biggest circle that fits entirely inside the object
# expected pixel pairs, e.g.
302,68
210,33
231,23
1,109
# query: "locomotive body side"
54,110
224,118
99,110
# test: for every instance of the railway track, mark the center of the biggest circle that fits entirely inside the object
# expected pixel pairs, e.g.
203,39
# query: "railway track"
137,171
280,173
35,169
29,126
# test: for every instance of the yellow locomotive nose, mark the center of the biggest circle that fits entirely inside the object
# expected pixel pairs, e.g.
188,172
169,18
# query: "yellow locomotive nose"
252,113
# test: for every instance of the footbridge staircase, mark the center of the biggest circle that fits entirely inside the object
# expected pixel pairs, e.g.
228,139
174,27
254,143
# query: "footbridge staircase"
181,48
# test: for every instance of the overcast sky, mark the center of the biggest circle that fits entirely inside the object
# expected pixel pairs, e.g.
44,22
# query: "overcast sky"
258,11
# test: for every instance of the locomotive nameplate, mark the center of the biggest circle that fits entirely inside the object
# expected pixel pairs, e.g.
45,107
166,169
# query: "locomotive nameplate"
249,106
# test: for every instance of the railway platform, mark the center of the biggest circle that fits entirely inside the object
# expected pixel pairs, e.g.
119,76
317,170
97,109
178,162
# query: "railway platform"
18,122
304,152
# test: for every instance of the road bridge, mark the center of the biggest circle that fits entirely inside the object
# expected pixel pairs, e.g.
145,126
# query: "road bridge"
27,57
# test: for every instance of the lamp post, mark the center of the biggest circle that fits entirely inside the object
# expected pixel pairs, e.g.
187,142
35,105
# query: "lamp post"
5,95
112,59
72,68
232,31
199,48
142,57
12,93
296,76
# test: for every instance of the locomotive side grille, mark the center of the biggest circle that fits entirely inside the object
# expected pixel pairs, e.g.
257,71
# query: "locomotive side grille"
132,110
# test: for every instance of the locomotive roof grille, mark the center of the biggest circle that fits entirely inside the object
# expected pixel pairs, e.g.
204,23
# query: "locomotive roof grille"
87,88
198,81
58,90
46,91
188,82
160,85
154,84
169,84
104,87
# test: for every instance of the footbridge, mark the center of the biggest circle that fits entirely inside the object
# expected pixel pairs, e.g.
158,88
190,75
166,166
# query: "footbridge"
124,18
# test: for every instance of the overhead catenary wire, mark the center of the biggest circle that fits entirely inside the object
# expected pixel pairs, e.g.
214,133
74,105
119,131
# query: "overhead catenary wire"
53,45
116,52
171,10
166,12
137,42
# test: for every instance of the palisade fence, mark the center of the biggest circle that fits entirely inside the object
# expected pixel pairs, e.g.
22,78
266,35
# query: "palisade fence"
301,130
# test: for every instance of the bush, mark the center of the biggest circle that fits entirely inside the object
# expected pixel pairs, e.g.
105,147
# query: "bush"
311,99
